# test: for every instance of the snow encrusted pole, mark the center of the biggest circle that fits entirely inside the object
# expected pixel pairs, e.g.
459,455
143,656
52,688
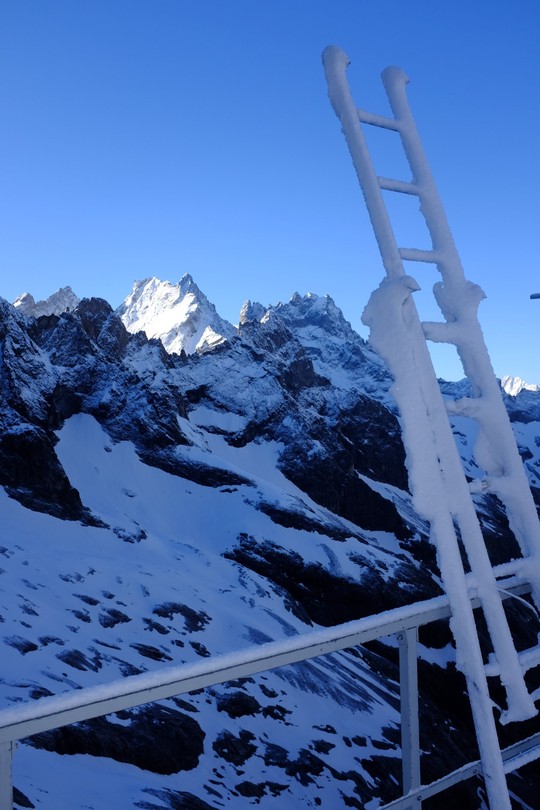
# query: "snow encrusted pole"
496,450
404,348
335,63
440,490
6,779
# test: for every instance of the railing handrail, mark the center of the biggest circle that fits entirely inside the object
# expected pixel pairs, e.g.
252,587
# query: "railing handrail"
48,713
95,701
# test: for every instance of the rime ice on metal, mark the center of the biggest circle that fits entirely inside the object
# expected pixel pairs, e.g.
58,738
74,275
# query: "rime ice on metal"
440,490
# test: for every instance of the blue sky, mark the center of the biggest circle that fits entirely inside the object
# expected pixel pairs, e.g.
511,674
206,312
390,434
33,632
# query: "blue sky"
159,137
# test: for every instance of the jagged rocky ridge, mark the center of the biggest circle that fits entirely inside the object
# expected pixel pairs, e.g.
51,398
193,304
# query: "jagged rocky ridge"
163,506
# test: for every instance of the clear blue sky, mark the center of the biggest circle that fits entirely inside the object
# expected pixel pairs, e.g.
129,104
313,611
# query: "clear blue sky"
159,137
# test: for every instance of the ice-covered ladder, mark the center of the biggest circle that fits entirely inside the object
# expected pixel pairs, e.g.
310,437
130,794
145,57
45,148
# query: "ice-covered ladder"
441,493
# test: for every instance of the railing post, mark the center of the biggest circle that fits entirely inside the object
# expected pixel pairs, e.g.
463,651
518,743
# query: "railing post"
410,734
6,778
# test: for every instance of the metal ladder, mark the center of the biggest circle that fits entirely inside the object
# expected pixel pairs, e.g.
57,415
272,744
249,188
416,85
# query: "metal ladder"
441,493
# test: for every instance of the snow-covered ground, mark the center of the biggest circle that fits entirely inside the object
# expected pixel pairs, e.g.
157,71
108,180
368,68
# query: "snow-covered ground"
81,606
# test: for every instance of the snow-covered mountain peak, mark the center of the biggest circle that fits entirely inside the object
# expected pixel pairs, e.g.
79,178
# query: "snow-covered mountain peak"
187,285
180,315
514,385
301,310
251,311
63,300
317,320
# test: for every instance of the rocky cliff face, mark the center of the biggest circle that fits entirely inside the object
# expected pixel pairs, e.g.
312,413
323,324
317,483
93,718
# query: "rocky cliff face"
166,499
61,301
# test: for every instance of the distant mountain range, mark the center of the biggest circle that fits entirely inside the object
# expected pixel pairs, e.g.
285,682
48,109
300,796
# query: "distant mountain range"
176,487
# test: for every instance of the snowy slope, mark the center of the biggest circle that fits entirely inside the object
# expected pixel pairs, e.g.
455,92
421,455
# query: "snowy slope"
80,618
158,508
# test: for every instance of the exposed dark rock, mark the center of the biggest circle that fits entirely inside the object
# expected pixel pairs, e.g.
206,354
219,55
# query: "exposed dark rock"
203,474
332,481
78,660
153,653
276,712
305,522
322,746
93,313
173,800
180,740
327,728
300,374
200,649
39,692
20,799
31,473
183,704
194,620
24,645
235,749
270,693
302,768
327,598
87,599
238,704
45,640
111,617
150,624
251,790
130,537
82,615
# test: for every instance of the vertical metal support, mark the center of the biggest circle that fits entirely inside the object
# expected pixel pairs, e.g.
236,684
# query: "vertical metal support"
6,776
410,733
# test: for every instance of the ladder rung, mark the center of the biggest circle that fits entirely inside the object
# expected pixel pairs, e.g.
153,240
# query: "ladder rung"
527,658
417,255
388,184
514,568
441,332
378,120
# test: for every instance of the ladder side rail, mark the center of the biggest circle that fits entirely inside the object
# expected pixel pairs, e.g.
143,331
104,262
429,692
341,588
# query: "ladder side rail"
496,449
458,300
335,63
520,703
395,81
497,453
402,345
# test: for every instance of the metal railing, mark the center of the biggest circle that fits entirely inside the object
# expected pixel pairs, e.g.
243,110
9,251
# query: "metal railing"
53,712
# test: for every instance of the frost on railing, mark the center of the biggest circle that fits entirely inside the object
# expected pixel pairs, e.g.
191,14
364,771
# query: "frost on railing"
84,704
